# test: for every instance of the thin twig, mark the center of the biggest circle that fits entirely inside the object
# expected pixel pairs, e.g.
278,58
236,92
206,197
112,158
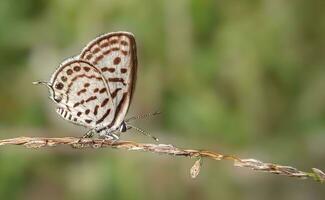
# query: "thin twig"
38,142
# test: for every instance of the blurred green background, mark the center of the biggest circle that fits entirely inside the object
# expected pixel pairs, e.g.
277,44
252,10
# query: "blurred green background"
238,77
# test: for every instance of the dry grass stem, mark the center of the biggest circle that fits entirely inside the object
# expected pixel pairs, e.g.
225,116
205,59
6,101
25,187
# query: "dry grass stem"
38,142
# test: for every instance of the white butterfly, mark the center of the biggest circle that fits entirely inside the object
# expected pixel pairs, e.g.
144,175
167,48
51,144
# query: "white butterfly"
95,88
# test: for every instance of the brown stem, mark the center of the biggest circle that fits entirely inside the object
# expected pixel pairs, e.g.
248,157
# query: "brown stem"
38,142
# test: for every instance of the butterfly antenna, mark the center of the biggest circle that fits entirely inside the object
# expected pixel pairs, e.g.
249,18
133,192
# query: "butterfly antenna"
142,116
49,86
41,83
142,132
44,83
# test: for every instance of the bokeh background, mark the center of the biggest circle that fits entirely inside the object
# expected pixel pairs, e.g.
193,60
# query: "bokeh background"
238,77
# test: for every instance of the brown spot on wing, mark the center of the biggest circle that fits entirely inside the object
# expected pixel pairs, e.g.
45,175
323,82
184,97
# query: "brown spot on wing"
91,98
80,76
105,44
96,50
96,109
76,104
113,41
104,116
69,71
64,78
76,68
116,80
102,90
104,102
88,121
89,56
98,58
110,69
87,111
65,114
117,60
123,70
81,91
115,92
107,52
124,43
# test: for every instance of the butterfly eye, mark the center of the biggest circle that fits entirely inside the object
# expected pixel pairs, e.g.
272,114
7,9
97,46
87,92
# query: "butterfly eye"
57,99
123,127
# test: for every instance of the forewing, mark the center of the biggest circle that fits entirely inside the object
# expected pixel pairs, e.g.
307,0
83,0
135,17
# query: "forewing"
115,55
82,94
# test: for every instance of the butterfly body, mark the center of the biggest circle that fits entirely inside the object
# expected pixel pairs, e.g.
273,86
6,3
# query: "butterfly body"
95,88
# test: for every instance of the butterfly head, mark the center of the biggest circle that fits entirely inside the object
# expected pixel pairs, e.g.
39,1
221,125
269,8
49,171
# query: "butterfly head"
52,95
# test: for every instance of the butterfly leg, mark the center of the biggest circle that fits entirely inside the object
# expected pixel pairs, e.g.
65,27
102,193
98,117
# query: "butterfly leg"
129,126
112,136
108,134
89,134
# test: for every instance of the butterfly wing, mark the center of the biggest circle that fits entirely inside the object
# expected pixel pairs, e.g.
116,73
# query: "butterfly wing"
82,94
114,54
71,116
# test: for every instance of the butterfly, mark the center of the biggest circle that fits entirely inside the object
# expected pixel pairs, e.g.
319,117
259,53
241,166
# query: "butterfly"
94,89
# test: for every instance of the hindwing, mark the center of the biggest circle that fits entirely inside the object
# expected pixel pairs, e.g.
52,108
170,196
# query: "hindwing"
82,94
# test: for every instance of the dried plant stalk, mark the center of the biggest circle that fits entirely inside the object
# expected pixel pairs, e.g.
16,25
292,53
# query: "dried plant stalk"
38,142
